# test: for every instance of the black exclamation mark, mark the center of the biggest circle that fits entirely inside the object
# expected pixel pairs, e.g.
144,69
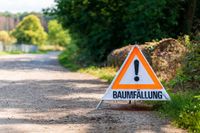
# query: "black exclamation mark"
136,66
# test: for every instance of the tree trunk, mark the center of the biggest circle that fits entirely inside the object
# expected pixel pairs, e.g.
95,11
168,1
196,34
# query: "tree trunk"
190,11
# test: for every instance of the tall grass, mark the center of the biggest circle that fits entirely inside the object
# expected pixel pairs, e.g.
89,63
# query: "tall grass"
183,109
105,73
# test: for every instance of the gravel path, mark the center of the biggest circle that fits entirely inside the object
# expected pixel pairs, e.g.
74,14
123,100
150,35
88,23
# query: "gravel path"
38,95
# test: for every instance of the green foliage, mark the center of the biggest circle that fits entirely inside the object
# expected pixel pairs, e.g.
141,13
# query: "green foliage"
192,60
179,81
101,26
187,40
197,37
192,63
189,117
6,38
176,105
188,77
68,58
184,109
30,31
149,20
57,35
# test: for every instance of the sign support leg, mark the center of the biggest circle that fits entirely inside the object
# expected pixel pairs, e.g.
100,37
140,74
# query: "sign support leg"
99,104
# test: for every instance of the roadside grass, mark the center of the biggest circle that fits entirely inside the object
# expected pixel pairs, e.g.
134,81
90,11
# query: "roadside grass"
12,52
183,109
41,50
20,52
105,73
67,59
48,47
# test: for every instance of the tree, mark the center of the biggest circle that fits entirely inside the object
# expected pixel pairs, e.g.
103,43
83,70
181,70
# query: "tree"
189,15
101,26
96,26
30,31
57,35
6,38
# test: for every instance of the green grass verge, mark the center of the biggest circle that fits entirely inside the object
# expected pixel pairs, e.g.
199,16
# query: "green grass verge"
68,61
183,109
8,53
105,73
20,52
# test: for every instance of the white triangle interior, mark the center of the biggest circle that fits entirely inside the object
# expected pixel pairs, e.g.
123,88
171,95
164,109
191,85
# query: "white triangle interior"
129,75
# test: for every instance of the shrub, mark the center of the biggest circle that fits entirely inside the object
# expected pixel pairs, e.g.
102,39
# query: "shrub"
190,116
188,77
57,35
68,58
30,31
184,109
6,38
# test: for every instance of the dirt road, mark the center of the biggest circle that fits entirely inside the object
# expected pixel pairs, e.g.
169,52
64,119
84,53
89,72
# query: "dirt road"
38,95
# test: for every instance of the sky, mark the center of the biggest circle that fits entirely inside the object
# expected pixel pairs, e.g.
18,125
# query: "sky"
19,6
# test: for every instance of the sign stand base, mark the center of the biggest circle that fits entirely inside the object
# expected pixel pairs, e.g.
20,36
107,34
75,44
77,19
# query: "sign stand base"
99,104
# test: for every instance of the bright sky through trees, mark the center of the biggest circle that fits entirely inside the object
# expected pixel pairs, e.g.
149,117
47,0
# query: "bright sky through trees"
15,6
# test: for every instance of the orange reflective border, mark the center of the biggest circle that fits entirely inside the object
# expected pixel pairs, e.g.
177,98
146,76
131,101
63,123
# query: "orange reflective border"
156,84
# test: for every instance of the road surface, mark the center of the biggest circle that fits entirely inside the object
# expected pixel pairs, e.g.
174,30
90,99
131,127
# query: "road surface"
38,95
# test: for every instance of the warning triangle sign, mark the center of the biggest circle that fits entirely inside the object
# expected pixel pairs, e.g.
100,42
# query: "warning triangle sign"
136,73
136,80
